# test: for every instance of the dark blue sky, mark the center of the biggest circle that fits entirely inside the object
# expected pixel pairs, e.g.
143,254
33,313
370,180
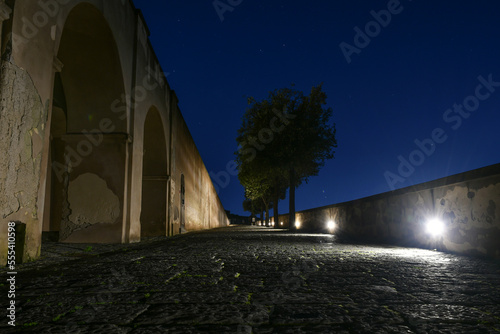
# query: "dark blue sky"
397,89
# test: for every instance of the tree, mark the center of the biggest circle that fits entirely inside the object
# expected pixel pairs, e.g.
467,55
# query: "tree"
284,140
308,141
278,190
257,189
254,207
255,169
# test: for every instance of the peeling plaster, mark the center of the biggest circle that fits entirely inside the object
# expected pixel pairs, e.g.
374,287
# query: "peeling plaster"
19,97
22,122
91,202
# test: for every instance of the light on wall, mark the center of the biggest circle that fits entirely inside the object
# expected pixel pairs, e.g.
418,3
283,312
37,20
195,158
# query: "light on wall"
331,226
435,227
297,224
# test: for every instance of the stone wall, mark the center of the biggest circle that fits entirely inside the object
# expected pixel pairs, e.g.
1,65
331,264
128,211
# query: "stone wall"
84,103
196,201
467,204
22,120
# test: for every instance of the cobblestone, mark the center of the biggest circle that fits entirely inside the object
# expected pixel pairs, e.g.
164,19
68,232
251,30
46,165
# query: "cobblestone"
254,280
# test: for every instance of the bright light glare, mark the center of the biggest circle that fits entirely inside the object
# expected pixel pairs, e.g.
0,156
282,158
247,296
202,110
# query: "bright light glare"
281,223
297,224
435,227
331,225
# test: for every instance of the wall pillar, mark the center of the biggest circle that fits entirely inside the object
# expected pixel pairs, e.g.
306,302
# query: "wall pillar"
5,12
45,200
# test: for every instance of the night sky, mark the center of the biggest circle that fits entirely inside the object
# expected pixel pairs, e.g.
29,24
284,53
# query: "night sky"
407,82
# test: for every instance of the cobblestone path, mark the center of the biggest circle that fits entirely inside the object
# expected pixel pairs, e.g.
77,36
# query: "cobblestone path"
254,280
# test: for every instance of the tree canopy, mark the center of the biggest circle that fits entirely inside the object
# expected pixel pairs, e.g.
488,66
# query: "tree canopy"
284,139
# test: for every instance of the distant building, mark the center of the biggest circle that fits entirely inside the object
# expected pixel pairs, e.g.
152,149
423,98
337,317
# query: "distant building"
238,220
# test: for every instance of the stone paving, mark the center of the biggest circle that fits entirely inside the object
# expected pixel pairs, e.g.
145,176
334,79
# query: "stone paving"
253,280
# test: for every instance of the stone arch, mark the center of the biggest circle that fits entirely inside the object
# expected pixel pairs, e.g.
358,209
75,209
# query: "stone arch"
88,132
91,68
154,177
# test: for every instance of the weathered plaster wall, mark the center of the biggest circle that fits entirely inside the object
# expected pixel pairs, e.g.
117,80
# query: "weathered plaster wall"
37,41
74,66
202,207
152,96
92,203
22,127
30,44
467,203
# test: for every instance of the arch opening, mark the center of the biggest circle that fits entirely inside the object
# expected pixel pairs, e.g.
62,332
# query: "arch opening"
155,178
88,136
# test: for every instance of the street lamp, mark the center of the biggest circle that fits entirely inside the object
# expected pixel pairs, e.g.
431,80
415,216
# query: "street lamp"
435,227
331,226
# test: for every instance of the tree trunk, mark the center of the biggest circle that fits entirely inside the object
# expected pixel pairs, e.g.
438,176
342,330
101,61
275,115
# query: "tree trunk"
291,218
267,215
275,211
262,217
266,206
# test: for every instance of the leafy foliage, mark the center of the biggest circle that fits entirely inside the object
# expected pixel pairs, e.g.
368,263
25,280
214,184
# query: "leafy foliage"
284,139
